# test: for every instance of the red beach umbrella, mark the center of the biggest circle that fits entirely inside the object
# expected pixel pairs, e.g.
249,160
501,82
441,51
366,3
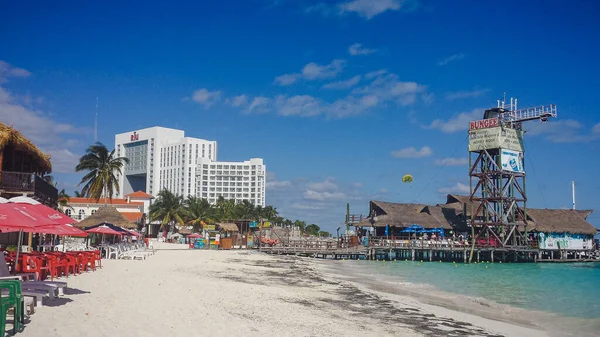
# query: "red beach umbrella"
50,213
195,235
14,218
103,230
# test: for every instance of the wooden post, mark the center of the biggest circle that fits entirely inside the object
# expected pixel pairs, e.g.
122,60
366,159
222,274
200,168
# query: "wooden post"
413,254
430,255
492,256
465,255
477,256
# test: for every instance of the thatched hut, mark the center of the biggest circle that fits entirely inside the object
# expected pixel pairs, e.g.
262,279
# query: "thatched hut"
106,214
22,166
18,154
399,216
227,227
560,221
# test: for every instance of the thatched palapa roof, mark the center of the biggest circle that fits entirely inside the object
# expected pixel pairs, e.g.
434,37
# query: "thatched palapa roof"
106,214
228,227
458,202
8,135
559,221
450,215
405,215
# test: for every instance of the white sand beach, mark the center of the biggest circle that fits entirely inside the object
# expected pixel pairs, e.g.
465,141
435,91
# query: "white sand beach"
182,292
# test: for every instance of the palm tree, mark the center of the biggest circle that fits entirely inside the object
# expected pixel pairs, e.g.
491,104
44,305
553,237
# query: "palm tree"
102,166
78,194
245,210
199,212
63,200
301,225
168,209
226,209
270,213
312,229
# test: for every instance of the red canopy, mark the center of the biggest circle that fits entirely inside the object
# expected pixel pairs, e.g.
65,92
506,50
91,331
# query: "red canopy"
103,230
14,218
195,235
50,213
134,233
65,230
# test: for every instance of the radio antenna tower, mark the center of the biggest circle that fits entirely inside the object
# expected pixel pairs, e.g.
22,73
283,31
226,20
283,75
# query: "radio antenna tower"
96,122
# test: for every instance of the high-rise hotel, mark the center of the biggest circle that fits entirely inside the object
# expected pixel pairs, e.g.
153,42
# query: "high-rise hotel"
162,158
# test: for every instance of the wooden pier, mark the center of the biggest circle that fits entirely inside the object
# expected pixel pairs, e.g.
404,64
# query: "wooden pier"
386,249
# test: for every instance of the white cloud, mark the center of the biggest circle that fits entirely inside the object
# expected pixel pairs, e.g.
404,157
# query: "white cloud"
339,85
313,207
384,87
352,106
63,160
318,201
323,196
299,105
326,185
564,131
278,184
358,49
389,87
457,123
456,189
376,73
37,126
383,190
205,97
466,94
287,79
312,71
238,101
7,71
368,9
411,152
451,58
452,162
259,104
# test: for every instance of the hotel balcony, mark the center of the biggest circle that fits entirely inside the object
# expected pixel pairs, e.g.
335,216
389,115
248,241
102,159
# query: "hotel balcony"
29,184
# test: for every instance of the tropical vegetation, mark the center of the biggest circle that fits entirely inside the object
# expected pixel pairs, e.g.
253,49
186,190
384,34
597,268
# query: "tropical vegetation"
103,167
172,211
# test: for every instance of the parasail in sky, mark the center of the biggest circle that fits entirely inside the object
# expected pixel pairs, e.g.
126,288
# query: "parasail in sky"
407,178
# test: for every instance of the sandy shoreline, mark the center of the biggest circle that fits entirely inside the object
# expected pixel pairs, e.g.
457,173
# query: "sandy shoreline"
181,292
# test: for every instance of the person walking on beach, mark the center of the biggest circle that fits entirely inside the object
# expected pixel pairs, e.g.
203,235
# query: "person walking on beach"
207,237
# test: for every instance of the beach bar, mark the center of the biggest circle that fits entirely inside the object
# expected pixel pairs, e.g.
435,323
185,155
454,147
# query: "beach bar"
443,233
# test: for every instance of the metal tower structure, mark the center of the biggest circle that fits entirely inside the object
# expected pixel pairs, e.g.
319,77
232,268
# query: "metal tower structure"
497,174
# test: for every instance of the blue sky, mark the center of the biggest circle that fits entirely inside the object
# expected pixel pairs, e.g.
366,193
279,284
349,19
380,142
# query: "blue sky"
341,98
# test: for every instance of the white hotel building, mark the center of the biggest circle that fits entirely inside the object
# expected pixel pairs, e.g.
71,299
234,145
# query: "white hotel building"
163,158
231,180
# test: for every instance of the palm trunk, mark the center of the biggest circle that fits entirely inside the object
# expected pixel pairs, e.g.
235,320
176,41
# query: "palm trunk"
104,195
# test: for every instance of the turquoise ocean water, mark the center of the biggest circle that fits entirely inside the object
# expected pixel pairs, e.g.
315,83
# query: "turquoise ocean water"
567,289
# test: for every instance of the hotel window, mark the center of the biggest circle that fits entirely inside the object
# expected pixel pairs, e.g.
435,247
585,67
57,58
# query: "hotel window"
68,212
81,214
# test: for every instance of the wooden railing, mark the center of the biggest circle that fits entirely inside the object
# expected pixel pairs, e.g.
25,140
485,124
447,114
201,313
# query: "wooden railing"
314,245
16,182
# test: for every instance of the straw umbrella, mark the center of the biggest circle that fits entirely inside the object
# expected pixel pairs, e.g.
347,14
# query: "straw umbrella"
106,214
